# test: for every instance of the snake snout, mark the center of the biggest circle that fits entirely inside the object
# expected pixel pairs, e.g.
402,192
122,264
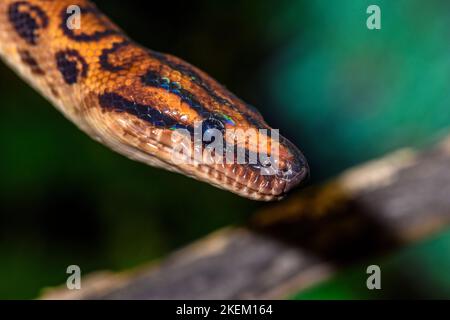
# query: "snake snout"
295,169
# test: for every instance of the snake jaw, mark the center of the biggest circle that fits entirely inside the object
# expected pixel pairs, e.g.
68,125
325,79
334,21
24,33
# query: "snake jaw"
252,181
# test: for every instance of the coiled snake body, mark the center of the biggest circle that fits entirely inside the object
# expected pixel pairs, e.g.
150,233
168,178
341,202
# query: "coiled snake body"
131,98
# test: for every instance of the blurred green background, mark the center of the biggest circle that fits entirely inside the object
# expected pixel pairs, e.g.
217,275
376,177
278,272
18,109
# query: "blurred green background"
344,94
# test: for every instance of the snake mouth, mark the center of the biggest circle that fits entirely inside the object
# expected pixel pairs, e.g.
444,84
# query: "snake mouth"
248,180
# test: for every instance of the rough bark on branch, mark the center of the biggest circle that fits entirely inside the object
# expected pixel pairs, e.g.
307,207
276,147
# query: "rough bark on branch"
291,245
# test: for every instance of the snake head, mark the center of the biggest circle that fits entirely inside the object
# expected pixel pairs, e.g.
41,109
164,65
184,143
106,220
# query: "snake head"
172,115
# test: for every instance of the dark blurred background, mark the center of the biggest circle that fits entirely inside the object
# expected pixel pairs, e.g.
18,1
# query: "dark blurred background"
344,94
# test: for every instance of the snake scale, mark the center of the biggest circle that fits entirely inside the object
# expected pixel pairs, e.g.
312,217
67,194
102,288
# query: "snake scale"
131,98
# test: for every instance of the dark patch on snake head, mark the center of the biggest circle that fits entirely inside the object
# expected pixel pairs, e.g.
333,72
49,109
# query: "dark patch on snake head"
71,65
76,35
115,102
27,19
30,61
153,79
251,114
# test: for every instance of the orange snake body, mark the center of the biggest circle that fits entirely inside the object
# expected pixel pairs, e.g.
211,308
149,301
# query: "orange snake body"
131,98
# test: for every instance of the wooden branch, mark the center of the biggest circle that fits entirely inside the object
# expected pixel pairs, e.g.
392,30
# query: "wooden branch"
293,244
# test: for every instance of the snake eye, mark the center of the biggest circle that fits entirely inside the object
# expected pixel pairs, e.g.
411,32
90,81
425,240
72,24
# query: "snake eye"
213,122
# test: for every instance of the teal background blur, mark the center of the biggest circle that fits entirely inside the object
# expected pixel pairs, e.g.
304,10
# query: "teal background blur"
344,94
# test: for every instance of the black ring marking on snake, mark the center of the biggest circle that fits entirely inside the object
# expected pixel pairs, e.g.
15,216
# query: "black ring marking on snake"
71,65
105,62
27,19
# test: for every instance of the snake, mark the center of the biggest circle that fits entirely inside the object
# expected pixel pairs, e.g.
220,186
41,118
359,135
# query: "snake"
133,99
